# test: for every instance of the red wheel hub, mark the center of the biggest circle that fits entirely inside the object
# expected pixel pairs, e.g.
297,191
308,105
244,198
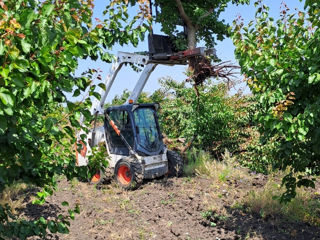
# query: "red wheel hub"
96,177
124,175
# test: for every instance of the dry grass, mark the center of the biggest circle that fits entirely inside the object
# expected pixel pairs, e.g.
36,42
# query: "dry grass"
13,196
259,200
303,208
225,175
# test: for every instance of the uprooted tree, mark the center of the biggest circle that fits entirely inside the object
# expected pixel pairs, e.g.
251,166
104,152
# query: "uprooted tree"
200,20
188,23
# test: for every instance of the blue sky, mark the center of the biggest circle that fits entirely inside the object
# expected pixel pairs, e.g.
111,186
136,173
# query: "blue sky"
127,78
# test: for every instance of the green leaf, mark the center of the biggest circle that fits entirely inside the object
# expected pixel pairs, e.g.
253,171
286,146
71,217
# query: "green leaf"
279,72
272,62
106,57
8,111
4,71
27,92
76,93
314,78
62,228
34,86
3,125
77,209
6,97
97,95
76,51
52,227
71,105
303,131
213,224
102,86
42,220
35,68
27,17
1,47
22,65
18,81
25,46
69,131
49,123
47,9
14,52
71,214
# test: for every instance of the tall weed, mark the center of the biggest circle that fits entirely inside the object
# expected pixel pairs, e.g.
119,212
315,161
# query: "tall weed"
201,163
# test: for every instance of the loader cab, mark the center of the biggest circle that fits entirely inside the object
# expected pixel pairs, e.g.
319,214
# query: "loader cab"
138,124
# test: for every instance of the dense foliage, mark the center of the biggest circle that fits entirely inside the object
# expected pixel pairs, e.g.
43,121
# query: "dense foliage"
281,64
40,44
203,119
202,18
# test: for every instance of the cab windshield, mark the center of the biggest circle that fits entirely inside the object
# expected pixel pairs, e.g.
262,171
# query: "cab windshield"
147,130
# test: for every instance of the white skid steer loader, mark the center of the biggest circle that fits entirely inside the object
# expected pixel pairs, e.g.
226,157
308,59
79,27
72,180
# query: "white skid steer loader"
131,132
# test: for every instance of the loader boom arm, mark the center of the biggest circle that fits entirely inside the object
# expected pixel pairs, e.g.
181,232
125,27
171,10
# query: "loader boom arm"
122,58
149,63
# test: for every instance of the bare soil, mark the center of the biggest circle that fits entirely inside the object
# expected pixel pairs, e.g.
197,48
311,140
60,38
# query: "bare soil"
168,208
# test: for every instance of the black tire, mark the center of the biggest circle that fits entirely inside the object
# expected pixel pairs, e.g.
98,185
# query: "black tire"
108,174
128,173
175,164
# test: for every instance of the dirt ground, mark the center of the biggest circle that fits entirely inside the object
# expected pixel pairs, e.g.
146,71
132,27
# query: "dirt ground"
168,208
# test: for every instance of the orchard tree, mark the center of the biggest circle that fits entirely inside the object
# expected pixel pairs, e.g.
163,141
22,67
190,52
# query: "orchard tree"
280,61
201,22
40,45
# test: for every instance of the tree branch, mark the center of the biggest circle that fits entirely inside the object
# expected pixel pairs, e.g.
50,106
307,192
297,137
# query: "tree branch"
183,14
206,14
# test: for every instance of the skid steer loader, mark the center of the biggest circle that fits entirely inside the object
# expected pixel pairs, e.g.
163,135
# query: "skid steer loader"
131,132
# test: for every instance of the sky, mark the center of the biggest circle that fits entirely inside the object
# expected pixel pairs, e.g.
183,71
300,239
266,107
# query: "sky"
127,78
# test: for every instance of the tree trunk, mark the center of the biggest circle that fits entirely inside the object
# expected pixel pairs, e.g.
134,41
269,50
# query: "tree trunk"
192,43
192,29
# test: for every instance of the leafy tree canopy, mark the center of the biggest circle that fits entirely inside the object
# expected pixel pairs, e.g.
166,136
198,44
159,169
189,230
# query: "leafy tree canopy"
200,17
40,44
281,64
